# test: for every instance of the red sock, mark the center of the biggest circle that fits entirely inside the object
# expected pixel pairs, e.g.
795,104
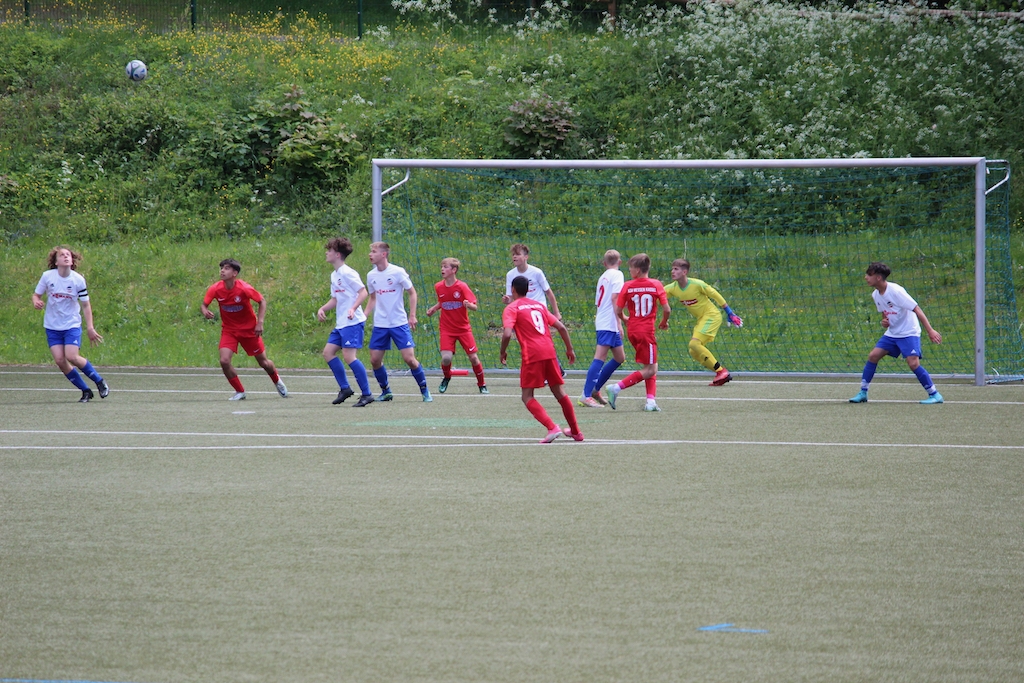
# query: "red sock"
652,386
237,384
478,370
537,410
446,370
570,413
632,378
274,377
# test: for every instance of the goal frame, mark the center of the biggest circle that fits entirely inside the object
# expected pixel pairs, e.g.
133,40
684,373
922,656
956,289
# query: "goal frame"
378,192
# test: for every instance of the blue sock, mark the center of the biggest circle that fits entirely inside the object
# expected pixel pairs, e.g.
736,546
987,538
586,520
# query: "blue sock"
420,377
606,372
338,368
91,373
359,372
592,374
76,379
381,374
925,379
867,375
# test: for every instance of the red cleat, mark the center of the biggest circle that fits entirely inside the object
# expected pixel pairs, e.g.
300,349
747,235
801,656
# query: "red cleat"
578,436
721,377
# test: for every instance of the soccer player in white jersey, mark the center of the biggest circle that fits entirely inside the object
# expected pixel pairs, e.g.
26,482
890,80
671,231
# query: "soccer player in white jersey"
67,304
347,297
387,285
902,319
539,290
609,332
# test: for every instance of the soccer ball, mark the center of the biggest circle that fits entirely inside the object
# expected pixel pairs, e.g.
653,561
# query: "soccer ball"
136,70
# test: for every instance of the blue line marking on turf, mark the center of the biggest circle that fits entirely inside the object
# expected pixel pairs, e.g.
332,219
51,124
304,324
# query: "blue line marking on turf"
729,628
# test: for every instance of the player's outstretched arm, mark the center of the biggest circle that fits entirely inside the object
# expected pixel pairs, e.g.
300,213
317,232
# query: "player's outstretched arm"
261,314
331,304
933,334
90,329
563,332
732,317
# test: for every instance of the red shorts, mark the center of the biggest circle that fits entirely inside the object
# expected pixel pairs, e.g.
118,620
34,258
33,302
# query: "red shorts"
533,375
646,349
466,339
253,345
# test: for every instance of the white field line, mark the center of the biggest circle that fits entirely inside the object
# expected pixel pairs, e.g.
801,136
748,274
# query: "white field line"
496,394
470,441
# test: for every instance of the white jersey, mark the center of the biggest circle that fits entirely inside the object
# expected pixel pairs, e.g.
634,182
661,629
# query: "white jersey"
389,286
608,287
345,287
898,307
63,312
538,283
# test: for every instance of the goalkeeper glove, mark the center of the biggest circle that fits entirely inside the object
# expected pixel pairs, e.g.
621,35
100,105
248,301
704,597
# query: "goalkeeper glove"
733,318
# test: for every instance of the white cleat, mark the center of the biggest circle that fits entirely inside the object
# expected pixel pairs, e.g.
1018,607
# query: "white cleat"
281,389
240,396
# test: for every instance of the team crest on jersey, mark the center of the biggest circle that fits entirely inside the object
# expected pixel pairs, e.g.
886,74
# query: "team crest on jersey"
458,294
237,299
390,281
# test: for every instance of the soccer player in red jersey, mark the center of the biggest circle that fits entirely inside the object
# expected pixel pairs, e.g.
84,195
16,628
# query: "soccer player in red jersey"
638,297
454,300
239,325
531,322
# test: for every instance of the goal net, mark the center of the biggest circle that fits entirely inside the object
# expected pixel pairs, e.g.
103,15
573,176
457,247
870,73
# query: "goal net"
785,242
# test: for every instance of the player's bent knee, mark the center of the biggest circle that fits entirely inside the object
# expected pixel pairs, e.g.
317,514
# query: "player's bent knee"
696,349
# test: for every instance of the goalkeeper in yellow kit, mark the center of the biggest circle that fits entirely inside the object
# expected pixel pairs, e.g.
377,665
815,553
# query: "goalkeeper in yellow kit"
702,301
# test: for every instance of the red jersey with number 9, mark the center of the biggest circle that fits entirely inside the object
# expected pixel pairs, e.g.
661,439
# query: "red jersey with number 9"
531,322
640,297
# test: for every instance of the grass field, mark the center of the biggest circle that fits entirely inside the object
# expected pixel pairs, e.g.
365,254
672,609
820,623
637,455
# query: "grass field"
165,534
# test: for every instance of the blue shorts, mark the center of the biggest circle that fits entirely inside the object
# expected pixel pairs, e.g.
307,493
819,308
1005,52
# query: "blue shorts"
894,346
609,338
72,337
381,338
350,337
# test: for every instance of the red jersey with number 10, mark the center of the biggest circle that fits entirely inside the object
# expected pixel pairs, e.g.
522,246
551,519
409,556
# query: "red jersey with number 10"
236,314
531,322
639,297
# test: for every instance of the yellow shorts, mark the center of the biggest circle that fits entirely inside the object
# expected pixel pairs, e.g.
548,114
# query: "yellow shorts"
707,327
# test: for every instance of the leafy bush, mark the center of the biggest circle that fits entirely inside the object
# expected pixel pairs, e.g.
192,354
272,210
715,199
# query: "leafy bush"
539,127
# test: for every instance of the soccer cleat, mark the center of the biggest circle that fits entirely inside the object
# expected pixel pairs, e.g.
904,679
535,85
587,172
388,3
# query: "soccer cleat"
103,388
281,388
427,398
343,395
363,401
861,397
613,391
721,377
596,395
932,399
483,389
578,436
87,396
443,387
589,403
652,408
240,396
552,435
386,395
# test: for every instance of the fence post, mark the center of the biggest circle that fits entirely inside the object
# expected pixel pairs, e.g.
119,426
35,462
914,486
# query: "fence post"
359,19
192,6
28,13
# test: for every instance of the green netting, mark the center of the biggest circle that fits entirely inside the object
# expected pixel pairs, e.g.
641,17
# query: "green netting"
786,247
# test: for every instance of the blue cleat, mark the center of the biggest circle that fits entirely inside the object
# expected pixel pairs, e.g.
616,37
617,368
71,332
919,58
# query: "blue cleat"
386,395
934,398
861,397
427,398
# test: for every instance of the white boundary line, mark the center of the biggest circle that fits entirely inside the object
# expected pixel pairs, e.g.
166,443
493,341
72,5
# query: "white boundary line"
483,442
723,399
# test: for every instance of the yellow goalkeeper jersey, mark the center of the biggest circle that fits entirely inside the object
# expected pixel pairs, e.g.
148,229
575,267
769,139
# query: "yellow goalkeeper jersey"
698,296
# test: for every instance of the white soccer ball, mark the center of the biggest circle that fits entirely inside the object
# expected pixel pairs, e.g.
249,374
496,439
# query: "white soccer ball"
136,70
